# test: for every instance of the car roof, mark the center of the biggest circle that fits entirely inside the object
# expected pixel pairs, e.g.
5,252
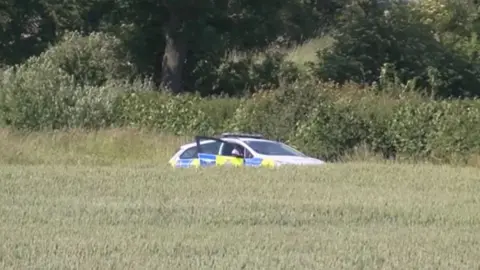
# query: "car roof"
228,139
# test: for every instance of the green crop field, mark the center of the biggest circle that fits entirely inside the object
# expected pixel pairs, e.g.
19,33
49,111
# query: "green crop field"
107,201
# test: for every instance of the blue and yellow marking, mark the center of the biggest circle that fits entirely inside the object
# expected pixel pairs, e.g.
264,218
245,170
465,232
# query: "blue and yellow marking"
186,163
208,160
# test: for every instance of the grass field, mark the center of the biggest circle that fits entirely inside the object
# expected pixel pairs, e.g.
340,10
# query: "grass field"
86,201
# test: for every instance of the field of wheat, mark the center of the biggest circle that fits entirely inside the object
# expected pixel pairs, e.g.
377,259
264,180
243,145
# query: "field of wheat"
107,201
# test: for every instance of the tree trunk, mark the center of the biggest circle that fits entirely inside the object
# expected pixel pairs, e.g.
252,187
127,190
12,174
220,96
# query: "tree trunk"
174,55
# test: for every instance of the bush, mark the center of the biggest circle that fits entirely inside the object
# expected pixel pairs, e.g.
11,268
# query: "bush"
176,114
331,131
257,114
37,96
72,84
411,127
276,113
91,60
456,135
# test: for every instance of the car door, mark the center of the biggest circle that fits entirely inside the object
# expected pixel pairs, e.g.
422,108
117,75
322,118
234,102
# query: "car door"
225,158
251,161
189,157
207,158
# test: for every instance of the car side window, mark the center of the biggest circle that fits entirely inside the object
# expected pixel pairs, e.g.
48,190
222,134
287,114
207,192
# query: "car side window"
207,148
211,148
228,148
189,153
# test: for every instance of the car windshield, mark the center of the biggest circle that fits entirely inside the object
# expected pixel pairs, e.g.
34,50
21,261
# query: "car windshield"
271,148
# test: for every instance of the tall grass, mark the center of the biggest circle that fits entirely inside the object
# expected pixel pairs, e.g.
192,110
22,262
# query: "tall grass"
79,147
130,146
349,216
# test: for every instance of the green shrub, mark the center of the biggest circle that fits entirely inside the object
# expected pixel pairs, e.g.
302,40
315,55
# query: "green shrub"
73,84
411,128
331,131
220,111
278,113
456,135
91,60
40,96
256,114
175,114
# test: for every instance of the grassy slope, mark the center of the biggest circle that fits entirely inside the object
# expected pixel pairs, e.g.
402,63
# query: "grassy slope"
300,54
136,213
307,52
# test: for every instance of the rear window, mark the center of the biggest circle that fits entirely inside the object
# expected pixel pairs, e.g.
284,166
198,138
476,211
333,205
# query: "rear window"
273,148
207,148
189,153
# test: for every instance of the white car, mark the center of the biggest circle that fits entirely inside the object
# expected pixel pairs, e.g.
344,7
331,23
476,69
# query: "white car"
253,150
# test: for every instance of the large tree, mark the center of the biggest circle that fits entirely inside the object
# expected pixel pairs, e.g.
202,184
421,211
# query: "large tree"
191,30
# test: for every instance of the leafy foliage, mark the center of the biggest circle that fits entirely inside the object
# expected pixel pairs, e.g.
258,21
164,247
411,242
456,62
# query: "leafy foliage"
91,60
373,35
73,84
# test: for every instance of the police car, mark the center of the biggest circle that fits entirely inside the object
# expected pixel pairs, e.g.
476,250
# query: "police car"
239,149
